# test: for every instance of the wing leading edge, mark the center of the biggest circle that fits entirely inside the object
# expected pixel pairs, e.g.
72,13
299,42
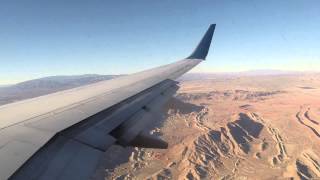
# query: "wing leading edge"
40,135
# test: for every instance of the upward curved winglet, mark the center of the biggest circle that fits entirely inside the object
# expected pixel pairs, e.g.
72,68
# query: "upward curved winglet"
202,49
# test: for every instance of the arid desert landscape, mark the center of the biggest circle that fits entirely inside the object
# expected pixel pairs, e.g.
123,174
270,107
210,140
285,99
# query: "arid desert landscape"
231,127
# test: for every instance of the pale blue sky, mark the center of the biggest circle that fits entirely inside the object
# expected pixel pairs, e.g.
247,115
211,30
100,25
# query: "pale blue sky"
43,38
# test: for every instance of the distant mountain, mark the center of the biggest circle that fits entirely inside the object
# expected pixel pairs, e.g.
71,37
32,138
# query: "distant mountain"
267,72
47,85
263,72
2,86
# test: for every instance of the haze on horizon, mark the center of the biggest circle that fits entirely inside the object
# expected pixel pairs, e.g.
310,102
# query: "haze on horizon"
41,39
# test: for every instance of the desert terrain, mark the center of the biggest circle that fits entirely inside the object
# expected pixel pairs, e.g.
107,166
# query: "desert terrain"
231,127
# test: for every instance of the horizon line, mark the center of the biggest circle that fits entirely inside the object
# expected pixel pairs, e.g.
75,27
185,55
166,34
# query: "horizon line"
271,71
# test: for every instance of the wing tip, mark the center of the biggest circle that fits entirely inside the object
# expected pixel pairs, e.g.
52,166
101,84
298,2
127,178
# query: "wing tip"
202,49
212,25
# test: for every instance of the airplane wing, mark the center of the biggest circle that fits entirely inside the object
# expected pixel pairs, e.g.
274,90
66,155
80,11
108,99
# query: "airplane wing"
63,135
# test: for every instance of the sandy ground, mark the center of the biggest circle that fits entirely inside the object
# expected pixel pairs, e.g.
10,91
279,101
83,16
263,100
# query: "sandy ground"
264,127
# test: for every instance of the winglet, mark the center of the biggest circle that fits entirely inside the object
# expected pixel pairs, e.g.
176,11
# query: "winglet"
202,49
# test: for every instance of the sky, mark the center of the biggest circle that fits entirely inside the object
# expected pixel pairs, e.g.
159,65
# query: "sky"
43,38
